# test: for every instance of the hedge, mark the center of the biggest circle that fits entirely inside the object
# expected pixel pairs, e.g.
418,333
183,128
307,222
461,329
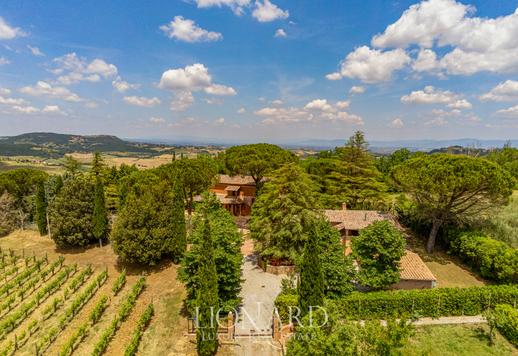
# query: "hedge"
434,302
507,322
491,258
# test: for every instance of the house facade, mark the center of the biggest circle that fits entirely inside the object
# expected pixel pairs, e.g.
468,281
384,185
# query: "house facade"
236,193
414,272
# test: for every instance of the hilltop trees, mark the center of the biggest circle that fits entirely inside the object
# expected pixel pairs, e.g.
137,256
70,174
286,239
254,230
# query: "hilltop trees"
447,188
283,214
71,213
226,242
256,160
378,250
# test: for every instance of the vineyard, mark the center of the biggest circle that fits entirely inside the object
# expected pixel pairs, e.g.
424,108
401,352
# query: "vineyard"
50,307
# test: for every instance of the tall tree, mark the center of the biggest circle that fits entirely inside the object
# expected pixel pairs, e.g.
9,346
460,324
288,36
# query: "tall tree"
100,216
98,166
378,249
448,188
311,284
207,301
257,160
72,166
226,241
178,223
41,209
8,217
71,213
283,214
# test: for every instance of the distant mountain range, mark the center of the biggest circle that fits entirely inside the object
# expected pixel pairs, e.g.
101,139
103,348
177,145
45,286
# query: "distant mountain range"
47,144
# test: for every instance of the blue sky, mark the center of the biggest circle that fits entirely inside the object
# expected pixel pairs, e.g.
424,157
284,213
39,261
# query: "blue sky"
261,70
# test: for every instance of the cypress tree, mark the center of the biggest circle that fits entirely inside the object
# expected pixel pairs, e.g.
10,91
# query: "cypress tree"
100,217
41,209
311,284
178,231
207,299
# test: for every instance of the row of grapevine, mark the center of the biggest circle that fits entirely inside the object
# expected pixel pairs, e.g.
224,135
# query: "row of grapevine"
57,302
77,305
123,313
20,279
119,283
73,342
142,324
7,324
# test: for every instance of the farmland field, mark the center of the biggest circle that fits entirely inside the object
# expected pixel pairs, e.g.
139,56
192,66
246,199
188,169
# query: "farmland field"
82,302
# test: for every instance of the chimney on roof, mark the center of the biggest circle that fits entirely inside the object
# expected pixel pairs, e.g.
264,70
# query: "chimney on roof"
344,206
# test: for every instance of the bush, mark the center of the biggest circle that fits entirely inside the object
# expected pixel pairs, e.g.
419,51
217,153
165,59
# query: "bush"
507,322
493,259
404,303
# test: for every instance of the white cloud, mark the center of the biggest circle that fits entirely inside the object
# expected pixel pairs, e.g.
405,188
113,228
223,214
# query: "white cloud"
52,109
266,11
218,89
35,51
123,86
372,65
4,61
431,95
505,91
511,112
344,104
241,111
181,101
280,33
5,91
11,101
45,89
237,6
72,69
397,123
316,111
187,30
475,44
141,101
157,120
460,104
220,121
25,109
357,89
194,77
334,76
277,102
8,32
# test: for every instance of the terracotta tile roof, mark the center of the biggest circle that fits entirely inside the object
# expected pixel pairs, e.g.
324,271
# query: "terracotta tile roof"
354,219
413,268
236,180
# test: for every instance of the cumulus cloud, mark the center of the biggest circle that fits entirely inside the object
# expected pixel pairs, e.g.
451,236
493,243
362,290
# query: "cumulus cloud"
237,6
241,110
52,109
431,95
357,89
371,65
334,76
397,123
122,85
511,112
280,33
141,101
8,32
315,111
477,44
220,121
505,91
4,61
25,109
11,101
344,104
5,91
266,12
188,31
157,120
35,51
71,69
181,101
45,89
218,89
438,121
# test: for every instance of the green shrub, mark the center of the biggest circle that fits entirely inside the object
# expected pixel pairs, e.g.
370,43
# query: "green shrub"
493,259
507,322
283,302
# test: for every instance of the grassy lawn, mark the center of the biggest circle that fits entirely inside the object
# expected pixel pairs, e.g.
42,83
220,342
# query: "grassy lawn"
449,270
469,340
